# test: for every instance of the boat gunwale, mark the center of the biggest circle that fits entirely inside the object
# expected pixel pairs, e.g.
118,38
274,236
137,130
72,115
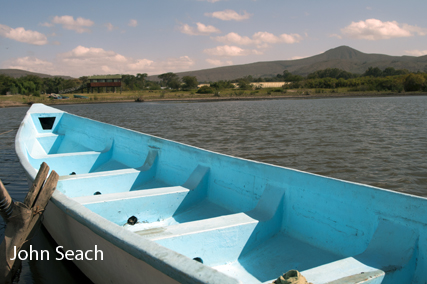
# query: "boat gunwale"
33,175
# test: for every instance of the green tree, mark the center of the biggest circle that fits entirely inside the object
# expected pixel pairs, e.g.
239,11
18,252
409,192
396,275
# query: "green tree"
7,84
220,85
389,71
141,80
414,82
129,82
401,72
244,84
175,84
49,86
58,84
205,90
331,73
289,77
141,76
36,80
153,85
190,82
373,71
167,78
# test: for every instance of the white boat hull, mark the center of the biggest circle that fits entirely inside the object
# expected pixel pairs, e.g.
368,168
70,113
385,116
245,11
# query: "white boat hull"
117,266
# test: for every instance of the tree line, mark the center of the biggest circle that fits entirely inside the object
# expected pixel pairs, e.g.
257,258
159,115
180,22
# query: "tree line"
35,85
373,79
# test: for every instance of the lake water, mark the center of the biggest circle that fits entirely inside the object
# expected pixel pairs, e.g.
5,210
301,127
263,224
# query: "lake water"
376,141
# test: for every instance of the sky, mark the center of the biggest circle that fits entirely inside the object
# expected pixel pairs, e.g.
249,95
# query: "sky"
83,38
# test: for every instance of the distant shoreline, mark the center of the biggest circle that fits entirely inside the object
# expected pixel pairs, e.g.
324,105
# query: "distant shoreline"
8,104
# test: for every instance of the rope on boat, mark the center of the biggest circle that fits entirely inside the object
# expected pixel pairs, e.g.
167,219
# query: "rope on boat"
291,277
7,131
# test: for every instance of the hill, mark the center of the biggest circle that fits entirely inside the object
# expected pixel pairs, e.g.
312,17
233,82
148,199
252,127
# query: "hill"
17,73
343,57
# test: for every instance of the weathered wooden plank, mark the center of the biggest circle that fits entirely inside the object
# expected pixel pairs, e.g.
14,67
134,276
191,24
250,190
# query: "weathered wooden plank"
47,192
6,205
37,184
23,220
15,235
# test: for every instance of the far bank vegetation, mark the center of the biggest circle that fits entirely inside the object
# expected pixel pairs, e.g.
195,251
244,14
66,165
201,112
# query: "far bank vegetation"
29,89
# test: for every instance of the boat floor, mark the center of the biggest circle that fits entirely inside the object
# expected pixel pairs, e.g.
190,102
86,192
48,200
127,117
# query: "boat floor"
265,262
220,236
275,257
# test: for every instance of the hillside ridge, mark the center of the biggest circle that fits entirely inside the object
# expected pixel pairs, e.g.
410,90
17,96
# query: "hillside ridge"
17,73
342,57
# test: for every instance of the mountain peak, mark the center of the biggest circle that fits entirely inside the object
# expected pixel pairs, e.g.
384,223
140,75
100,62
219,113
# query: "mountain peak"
342,52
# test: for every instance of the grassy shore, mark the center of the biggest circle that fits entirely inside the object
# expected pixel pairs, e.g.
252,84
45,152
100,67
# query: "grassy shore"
168,95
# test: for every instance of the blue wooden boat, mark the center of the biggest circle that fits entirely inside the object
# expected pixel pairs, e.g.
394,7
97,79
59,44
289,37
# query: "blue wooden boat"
165,212
80,97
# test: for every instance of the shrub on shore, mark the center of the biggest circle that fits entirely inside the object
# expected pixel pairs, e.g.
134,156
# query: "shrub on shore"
205,90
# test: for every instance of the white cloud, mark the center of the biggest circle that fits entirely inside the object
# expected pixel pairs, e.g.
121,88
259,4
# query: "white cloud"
80,25
373,29
91,60
265,37
92,53
336,35
229,15
416,52
227,50
207,29
234,38
110,27
46,24
217,62
292,38
297,57
173,64
140,64
200,29
261,39
22,35
415,29
133,23
30,64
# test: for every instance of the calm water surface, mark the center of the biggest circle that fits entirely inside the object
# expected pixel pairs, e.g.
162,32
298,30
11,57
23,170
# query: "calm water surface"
376,141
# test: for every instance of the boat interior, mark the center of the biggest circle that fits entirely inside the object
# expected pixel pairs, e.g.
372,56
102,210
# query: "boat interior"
248,220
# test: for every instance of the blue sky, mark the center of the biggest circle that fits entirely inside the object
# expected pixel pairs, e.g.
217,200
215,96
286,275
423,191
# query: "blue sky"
79,38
